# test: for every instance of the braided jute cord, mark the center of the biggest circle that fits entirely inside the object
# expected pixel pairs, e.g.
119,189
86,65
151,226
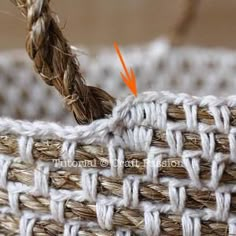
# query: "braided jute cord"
58,66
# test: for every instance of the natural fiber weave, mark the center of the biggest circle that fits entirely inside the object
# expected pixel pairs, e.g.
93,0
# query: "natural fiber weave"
158,164
183,171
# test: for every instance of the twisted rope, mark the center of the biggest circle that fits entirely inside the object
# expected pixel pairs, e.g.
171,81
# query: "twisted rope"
170,224
58,66
109,186
9,224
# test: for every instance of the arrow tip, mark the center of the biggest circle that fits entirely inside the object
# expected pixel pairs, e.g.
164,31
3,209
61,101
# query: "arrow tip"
129,77
130,81
133,86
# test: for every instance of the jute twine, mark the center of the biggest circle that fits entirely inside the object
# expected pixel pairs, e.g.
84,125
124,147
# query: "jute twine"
58,66
49,150
170,225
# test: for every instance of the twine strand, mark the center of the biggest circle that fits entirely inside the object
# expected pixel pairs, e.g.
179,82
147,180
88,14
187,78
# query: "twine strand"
58,66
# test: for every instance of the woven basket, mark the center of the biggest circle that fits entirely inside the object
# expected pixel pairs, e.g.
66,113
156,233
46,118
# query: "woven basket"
158,164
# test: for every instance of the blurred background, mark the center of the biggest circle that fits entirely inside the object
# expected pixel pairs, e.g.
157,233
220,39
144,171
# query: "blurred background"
94,23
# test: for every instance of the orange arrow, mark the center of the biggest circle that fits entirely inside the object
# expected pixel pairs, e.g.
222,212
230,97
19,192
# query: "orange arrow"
129,79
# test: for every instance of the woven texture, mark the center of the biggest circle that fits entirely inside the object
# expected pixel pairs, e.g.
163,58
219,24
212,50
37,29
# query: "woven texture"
161,164
180,178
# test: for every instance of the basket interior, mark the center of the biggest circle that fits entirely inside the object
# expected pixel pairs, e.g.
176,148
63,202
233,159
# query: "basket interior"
158,67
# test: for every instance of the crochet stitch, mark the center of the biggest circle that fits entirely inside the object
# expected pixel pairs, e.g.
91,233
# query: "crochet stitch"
195,189
159,164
